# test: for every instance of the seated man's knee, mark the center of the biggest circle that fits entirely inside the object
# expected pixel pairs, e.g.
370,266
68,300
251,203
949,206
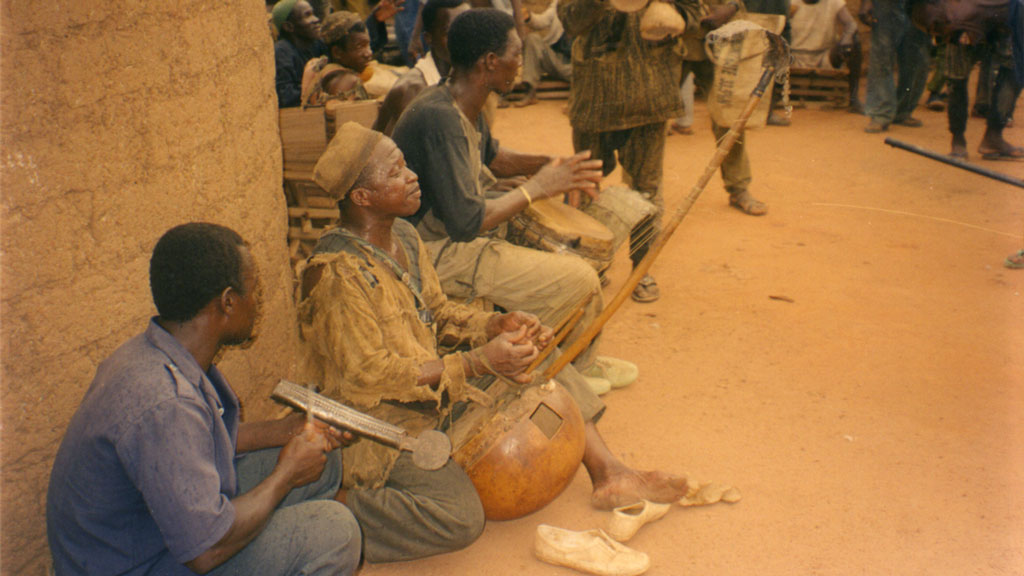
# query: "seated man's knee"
582,271
331,537
347,537
465,518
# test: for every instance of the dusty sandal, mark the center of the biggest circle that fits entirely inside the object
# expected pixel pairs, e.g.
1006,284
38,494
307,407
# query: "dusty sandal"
748,204
647,290
1015,261
1011,153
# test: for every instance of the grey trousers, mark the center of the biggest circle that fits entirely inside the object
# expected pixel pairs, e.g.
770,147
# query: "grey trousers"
309,534
419,513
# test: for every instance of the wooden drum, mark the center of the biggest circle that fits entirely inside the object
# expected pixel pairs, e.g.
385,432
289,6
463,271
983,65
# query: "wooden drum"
621,209
554,226
522,454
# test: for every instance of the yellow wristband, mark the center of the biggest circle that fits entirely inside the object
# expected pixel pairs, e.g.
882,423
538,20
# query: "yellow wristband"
529,201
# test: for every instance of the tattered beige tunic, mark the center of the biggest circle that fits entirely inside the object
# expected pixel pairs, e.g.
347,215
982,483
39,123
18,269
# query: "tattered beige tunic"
364,343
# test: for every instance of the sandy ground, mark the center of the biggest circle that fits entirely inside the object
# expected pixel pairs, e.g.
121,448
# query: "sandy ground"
873,424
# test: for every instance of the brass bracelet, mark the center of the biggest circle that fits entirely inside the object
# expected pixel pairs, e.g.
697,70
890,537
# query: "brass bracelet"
529,201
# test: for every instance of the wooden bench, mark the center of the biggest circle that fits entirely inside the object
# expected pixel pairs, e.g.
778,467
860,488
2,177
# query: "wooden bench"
820,85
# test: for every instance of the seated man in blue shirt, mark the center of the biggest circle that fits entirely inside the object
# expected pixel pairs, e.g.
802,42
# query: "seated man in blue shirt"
148,480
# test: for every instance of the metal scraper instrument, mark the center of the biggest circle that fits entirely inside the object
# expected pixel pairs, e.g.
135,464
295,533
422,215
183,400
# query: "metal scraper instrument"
430,450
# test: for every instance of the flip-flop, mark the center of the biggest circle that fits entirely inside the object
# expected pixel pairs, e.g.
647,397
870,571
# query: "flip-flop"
1015,261
1015,153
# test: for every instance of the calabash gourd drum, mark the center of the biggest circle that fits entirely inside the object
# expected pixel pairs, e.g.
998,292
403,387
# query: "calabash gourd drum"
522,453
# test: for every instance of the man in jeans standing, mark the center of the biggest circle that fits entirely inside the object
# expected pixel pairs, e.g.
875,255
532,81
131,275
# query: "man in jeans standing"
895,42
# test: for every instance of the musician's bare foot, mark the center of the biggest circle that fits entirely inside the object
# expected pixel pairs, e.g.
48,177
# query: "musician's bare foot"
628,486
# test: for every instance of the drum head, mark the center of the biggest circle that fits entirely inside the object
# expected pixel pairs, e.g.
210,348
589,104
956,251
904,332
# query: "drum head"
570,226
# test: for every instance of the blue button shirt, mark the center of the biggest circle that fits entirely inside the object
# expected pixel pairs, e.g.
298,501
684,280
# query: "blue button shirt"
144,477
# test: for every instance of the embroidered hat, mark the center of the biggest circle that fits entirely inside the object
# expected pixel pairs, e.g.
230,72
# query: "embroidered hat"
346,156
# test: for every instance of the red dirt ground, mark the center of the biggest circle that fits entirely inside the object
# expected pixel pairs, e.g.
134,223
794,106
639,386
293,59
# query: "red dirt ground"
873,424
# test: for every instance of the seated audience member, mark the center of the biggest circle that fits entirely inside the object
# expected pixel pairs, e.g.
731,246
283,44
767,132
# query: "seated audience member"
815,43
547,49
436,15
974,30
337,75
298,43
372,319
156,475
445,139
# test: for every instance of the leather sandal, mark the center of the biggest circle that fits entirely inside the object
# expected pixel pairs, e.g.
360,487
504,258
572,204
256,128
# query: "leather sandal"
647,290
1015,261
705,494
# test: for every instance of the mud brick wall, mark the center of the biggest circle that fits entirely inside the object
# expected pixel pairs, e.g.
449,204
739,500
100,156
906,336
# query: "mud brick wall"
120,119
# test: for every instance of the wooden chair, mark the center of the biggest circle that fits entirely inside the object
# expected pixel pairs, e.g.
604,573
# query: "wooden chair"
304,137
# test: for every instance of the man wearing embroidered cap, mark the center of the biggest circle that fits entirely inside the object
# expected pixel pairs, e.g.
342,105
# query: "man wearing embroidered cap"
299,42
372,319
157,475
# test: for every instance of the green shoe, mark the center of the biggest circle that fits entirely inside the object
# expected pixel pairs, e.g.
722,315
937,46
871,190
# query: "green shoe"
618,373
598,386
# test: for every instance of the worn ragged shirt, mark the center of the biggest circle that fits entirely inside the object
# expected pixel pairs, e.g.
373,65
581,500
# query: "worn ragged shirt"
365,338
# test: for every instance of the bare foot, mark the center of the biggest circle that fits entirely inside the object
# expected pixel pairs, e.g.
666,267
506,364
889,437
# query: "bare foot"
630,486
746,203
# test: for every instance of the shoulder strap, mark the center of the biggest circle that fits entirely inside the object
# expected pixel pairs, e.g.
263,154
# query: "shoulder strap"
340,240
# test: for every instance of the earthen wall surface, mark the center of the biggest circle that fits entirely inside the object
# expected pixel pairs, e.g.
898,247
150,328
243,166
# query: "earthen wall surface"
119,120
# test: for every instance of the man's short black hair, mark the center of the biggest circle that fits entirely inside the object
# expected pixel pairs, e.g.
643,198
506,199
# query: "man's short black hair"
478,32
429,12
191,265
